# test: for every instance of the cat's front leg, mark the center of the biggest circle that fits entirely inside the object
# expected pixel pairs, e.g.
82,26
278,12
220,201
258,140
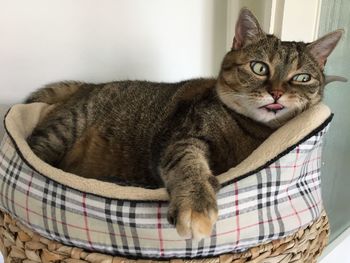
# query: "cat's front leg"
192,188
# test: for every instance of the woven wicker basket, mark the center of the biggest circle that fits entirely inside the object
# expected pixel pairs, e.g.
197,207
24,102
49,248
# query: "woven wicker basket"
19,244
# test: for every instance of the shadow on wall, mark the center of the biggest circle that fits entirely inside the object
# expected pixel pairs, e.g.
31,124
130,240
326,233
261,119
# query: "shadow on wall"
217,26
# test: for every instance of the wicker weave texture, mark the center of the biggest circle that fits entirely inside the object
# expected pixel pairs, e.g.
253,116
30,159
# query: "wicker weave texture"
20,244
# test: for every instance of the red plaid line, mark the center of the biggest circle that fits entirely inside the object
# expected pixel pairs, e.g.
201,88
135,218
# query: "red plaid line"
86,222
295,166
159,225
271,220
290,199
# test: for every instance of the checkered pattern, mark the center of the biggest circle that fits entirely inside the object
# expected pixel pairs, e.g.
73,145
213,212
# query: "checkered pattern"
269,204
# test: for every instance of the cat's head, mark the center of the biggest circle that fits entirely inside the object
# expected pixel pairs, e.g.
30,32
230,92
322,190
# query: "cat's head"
269,80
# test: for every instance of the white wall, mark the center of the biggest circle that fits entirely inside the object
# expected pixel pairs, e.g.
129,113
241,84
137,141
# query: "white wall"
300,20
91,40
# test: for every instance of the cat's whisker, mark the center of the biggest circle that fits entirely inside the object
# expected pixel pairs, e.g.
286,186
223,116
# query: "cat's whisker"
233,94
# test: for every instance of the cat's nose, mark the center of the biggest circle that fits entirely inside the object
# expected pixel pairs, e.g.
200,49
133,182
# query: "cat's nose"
276,94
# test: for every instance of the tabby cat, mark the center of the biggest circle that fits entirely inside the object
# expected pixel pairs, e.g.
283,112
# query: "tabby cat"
180,135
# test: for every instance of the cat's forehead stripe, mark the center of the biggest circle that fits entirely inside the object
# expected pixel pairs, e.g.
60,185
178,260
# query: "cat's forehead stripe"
286,57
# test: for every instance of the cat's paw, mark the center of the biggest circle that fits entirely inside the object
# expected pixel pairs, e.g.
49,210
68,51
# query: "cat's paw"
195,214
194,224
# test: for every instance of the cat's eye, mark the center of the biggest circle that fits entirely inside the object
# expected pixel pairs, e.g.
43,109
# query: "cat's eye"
302,77
259,68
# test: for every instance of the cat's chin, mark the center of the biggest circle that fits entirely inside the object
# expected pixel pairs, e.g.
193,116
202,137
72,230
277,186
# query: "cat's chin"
272,119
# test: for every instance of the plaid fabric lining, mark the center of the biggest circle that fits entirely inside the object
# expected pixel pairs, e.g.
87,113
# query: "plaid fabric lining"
272,203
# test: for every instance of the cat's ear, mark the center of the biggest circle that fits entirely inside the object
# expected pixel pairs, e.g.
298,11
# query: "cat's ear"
322,47
247,29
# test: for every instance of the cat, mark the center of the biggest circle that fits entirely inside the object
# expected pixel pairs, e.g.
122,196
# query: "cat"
180,135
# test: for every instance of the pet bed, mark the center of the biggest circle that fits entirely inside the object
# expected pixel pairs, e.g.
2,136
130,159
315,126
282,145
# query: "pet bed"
270,206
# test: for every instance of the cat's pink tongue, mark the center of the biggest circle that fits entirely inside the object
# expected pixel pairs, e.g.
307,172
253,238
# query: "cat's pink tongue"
274,106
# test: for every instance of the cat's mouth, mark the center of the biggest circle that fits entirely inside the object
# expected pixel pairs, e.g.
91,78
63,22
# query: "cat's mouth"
273,107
